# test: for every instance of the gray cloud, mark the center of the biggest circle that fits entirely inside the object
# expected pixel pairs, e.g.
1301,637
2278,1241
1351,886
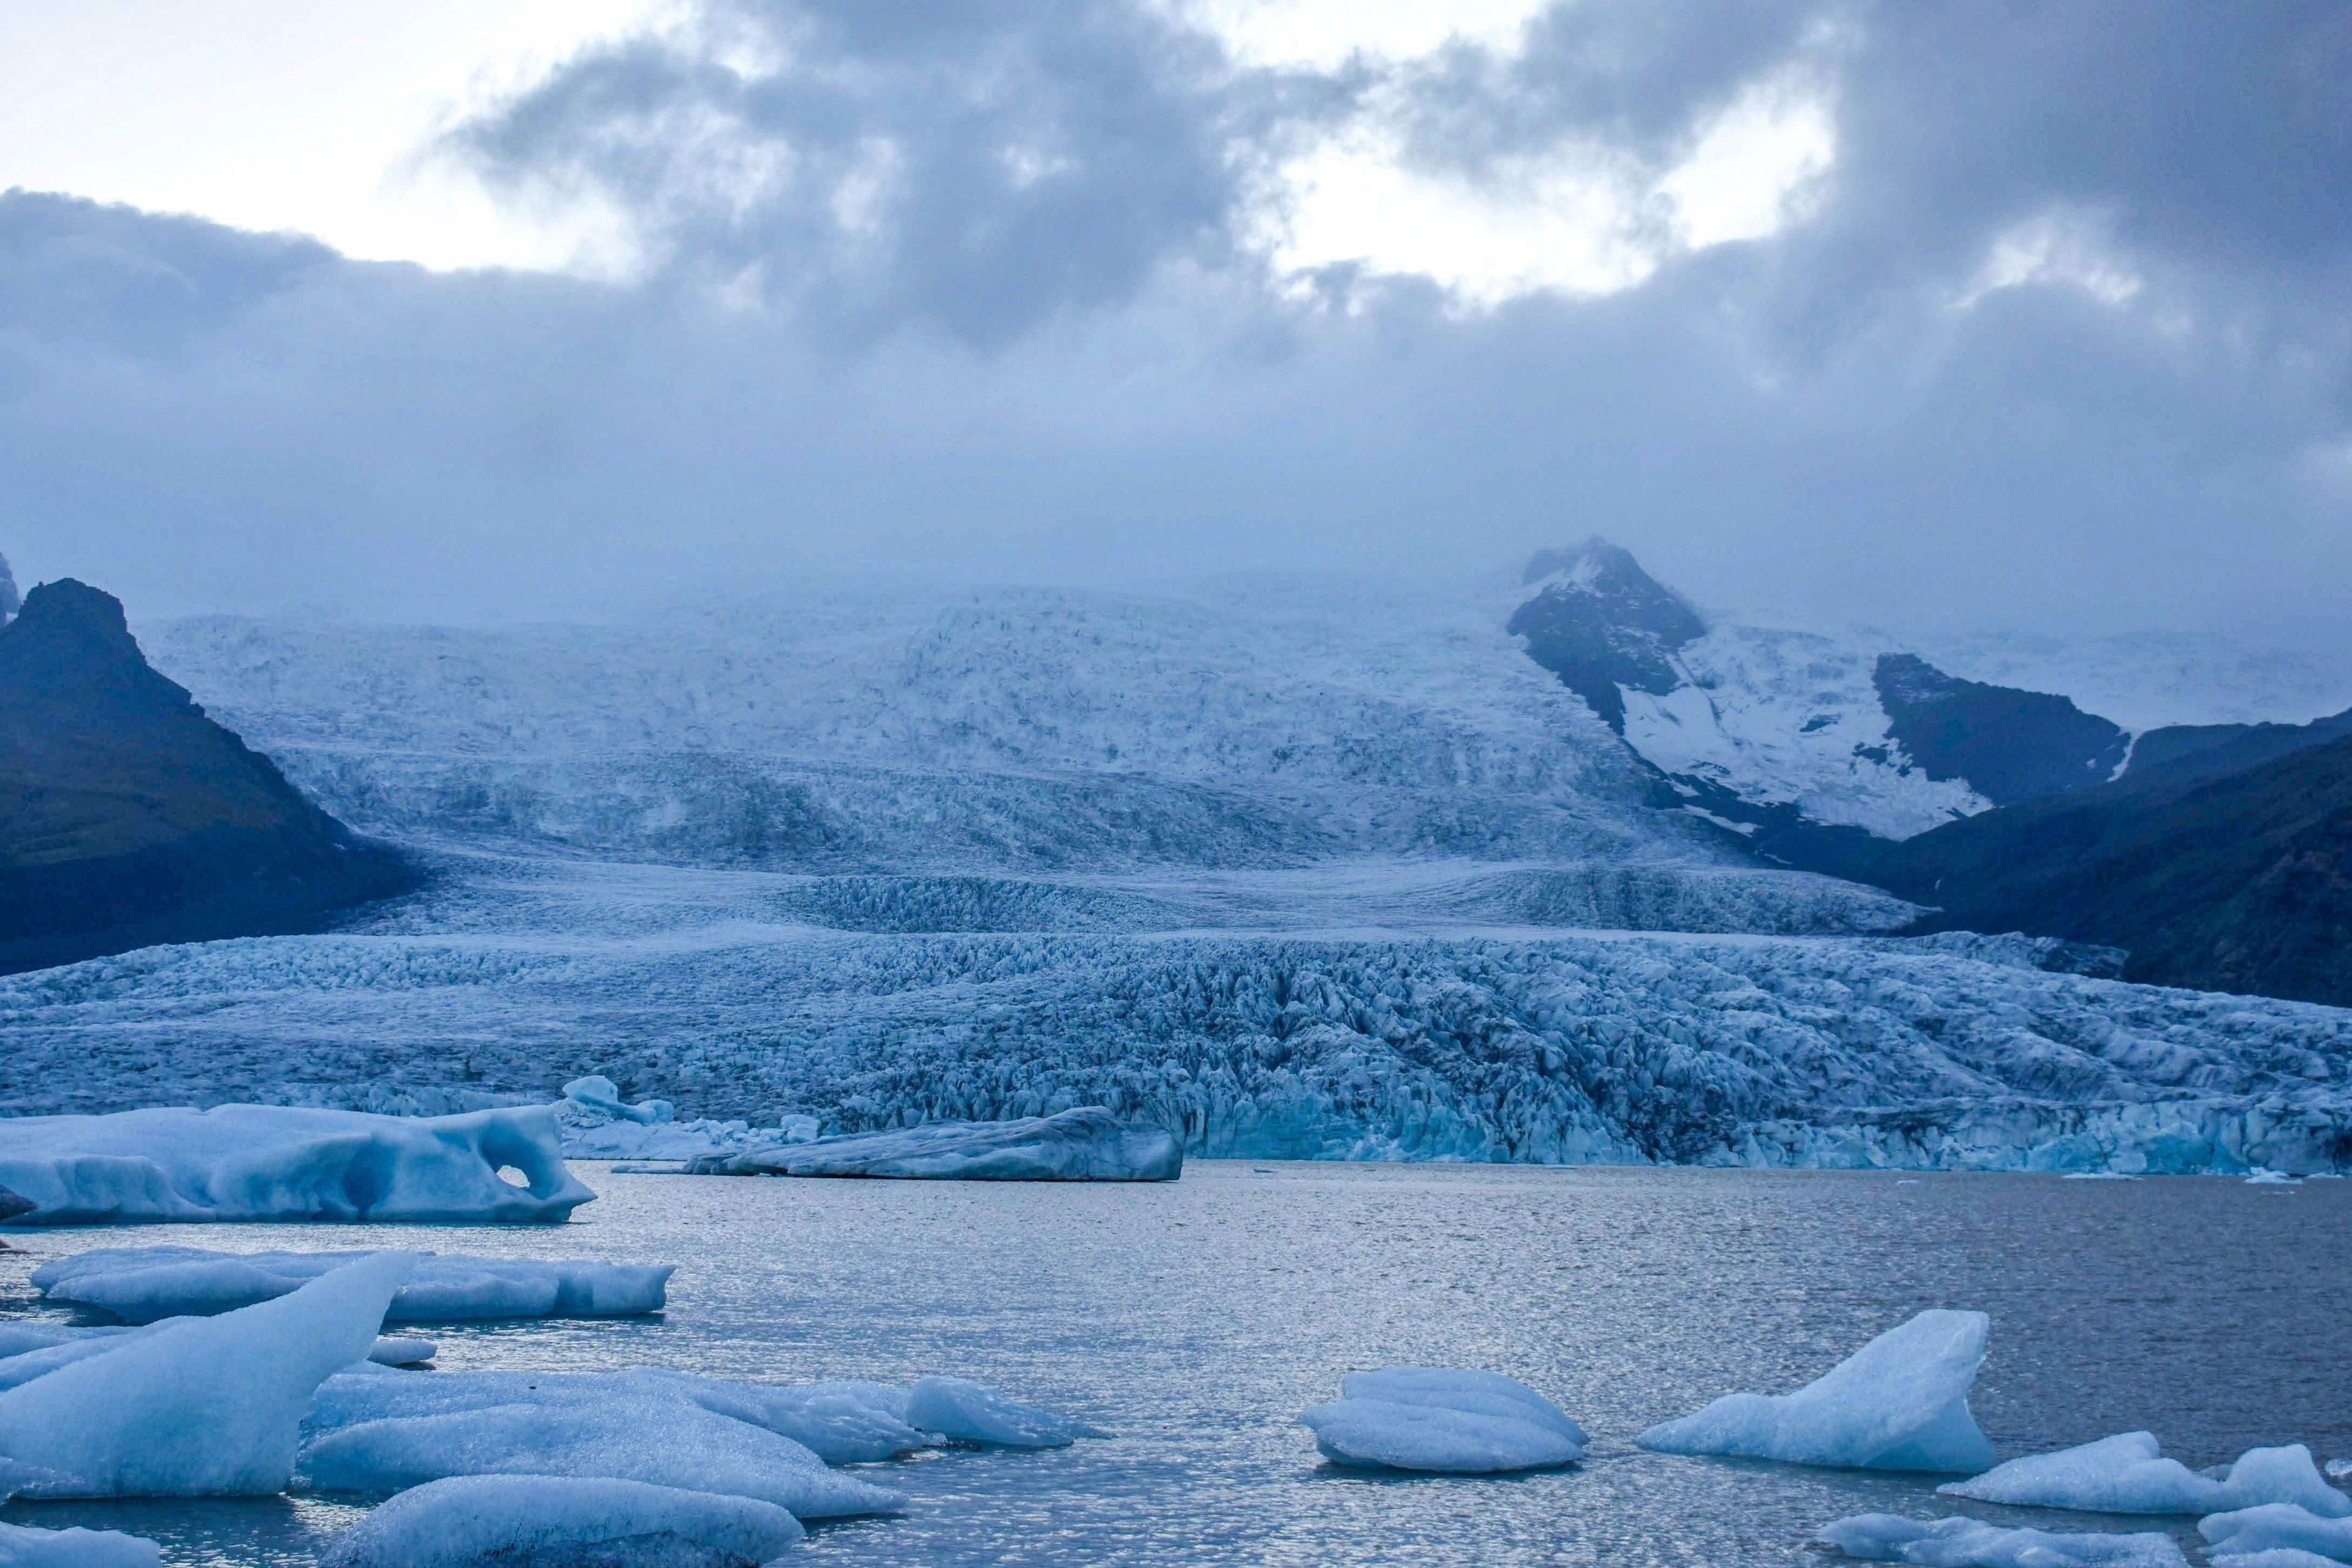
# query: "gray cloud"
1043,349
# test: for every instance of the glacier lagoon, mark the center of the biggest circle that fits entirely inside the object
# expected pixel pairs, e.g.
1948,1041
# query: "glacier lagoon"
1193,1319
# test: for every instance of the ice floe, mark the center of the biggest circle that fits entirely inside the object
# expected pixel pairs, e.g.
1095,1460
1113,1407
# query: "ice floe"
279,1162
2275,1527
21,1546
196,1405
1447,1422
373,1431
1972,1543
2272,1557
1900,1403
1086,1143
2128,1474
477,1522
142,1284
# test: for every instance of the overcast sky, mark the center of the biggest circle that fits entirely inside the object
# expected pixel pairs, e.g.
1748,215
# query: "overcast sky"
1999,314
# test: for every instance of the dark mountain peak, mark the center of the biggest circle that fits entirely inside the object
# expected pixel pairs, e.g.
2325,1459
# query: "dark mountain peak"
8,599
70,649
2008,745
1600,623
129,818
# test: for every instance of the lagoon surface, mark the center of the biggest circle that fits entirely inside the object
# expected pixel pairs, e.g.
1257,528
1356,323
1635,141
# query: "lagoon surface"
1195,1319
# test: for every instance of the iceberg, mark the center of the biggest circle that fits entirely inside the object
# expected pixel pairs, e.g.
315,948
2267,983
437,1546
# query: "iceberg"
2128,1474
1442,1421
401,1350
375,1431
196,1406
2277,1527
23,1547
1972,1543
1900,1403
142,1284
1085,1144
474,1521
270,1162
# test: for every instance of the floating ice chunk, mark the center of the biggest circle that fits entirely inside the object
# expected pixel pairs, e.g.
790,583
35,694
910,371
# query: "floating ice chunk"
23,1547
386,1433
2128,1474
2262,1177
1972,1543
1452,1422
275,1163
598,1095
198,1405
2278,1526
961,1411
401,1350
141,1284
1087,1145
2274,1557
546,1521
1900,1403
2339,1468
840,1423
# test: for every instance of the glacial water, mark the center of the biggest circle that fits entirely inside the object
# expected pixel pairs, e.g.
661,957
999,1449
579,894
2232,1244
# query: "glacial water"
1195,1319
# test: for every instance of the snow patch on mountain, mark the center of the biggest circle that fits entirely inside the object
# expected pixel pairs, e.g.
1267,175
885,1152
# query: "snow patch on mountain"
1791,719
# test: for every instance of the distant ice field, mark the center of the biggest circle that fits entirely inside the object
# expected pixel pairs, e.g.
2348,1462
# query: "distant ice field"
1194,1320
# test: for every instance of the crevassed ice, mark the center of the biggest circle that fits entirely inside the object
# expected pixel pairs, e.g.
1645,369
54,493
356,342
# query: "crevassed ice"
1084,1143
2128,1474
141,1284
259,1163
195,1406
467,1521
1900,1403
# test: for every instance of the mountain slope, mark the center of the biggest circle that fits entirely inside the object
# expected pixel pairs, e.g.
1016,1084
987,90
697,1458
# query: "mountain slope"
128,818
2240,882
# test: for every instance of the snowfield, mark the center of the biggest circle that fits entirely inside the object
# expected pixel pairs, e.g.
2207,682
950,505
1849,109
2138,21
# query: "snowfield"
1289,869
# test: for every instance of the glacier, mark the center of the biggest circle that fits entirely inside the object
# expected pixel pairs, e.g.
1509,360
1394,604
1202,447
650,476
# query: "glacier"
1302,871
1900,1403
276,1162
468,1521
1085,1143
142,1284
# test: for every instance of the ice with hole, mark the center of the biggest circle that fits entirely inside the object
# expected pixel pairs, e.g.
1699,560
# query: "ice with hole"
195,1407
2277,1527
1442,1421
22,1546
371,1431
273,1162
141,1284
1086,1143
2128,1474
1900,1403
1973,1543
549,1522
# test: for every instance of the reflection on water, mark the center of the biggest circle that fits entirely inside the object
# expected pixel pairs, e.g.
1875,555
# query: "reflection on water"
1196,1319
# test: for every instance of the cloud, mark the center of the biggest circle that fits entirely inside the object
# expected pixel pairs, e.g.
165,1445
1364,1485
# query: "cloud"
1998,315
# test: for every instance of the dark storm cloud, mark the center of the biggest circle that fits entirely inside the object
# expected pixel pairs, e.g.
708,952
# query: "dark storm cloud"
972,165
1007,323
